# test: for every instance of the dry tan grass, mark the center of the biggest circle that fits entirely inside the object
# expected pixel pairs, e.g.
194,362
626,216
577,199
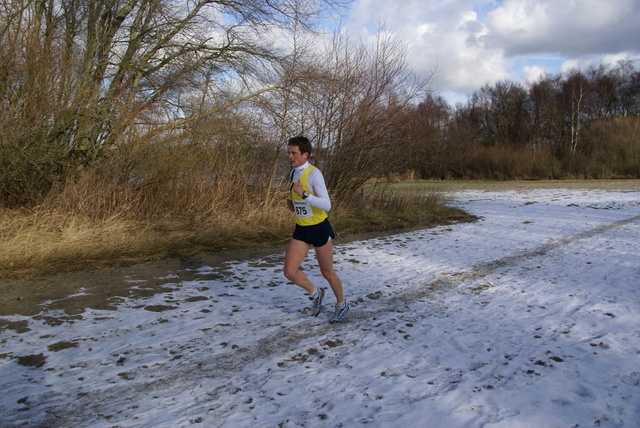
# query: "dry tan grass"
49,240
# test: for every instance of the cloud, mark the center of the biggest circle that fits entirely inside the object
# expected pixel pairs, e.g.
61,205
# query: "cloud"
446,35
577,27
474,42
533,73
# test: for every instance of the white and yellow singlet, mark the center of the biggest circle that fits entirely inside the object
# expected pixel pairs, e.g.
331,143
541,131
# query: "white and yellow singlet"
313,209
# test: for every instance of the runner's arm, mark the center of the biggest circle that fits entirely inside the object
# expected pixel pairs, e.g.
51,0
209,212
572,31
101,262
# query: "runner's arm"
317,186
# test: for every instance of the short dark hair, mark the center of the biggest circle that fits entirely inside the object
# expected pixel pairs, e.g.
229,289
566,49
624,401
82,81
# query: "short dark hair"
302,142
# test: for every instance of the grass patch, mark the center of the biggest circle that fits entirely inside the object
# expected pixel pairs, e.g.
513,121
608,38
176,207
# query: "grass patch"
46,240
397,207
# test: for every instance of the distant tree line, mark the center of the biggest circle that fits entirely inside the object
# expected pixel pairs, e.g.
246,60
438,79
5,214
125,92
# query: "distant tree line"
163,107
579,124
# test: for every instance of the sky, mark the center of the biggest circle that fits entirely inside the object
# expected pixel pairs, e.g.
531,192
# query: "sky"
474,42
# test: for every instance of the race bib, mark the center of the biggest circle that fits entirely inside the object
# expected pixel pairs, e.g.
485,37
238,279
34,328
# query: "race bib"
302,209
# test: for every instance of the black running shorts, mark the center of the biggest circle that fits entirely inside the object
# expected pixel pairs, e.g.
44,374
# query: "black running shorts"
316,235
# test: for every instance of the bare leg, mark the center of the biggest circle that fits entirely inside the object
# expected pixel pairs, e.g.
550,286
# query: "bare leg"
325,260
296,252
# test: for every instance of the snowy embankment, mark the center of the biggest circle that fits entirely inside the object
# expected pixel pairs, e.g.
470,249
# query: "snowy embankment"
528,317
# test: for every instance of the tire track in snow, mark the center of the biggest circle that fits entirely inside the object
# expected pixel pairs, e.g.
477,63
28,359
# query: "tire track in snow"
483,269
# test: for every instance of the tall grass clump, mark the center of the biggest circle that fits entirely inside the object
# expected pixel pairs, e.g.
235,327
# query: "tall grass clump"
141,202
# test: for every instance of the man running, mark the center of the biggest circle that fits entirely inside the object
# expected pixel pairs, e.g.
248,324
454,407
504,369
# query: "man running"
310,203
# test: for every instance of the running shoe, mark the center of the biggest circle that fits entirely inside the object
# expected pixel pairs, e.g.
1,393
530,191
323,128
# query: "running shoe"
340,312
317,302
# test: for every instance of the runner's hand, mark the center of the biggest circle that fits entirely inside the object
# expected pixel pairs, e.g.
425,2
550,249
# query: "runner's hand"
297,187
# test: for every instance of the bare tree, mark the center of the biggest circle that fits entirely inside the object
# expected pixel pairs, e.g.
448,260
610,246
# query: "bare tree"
426,135
351,105
575,89
78,76
629,90
547,113
504,114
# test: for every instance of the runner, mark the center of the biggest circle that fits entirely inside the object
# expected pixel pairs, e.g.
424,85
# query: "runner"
310,202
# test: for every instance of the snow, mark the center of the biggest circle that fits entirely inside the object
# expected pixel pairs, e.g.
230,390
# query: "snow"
527,317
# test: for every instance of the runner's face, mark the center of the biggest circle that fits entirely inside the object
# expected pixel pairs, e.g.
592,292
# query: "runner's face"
296,158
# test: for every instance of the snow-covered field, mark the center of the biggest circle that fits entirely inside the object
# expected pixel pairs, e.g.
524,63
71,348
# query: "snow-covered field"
529,317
